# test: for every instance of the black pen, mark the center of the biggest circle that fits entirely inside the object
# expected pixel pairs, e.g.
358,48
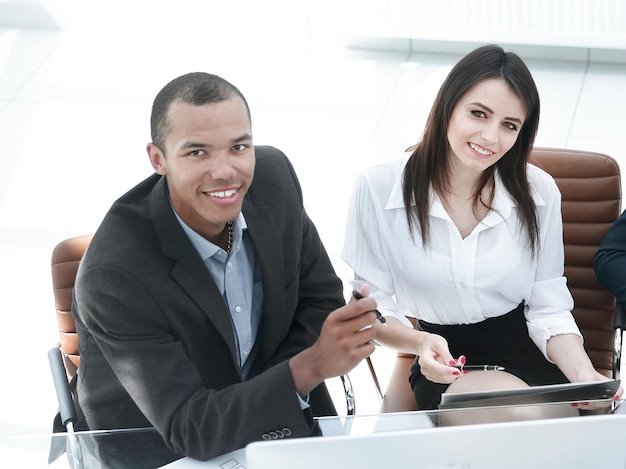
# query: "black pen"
379,316
480,367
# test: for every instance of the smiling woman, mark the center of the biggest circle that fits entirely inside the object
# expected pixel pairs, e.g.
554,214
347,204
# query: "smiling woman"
476,249
487,122
481,131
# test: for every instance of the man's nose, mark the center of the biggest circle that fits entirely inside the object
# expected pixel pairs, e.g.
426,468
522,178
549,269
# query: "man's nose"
222,166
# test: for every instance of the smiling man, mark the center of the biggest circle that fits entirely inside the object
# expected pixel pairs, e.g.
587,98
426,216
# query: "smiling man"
206,305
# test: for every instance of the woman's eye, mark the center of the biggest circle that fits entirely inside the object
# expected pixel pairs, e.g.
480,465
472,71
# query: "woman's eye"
510,125
480,114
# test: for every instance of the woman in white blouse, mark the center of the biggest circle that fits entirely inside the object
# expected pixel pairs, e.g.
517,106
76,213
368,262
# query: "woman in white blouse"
466,236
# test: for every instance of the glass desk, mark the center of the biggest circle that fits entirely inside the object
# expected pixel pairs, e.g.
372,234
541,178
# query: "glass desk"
56,450
401,435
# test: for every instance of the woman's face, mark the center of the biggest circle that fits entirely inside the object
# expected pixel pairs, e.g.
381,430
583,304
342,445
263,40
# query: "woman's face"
484,125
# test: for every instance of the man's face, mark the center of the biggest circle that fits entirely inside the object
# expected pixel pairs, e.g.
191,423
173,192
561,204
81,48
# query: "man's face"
208,160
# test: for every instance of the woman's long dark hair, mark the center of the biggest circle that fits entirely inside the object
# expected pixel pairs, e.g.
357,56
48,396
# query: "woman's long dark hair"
428,165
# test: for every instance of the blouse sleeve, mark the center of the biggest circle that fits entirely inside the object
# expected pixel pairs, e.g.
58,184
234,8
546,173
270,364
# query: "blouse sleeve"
363,248
549,307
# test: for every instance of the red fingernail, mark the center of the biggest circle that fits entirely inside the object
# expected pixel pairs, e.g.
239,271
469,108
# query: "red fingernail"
616,397
462,358
573,404
585,403
456,373
452,363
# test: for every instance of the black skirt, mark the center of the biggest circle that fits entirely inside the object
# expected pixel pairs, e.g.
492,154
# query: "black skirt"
502,340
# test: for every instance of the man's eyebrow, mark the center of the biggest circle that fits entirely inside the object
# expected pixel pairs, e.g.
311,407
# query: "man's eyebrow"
191,144
486,108
244,138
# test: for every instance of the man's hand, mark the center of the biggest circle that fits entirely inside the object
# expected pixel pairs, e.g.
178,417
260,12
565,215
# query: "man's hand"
345,339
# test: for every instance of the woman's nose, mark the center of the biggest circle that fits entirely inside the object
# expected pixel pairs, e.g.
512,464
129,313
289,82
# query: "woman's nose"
489,134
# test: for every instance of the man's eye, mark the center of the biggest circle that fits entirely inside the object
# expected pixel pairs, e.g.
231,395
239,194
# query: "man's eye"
196,153
240,147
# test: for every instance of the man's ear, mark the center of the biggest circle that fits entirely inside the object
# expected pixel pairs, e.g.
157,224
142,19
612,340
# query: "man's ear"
157,159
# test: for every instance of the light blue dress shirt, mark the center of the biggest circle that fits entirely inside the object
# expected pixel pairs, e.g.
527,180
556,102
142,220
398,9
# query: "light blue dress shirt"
238,278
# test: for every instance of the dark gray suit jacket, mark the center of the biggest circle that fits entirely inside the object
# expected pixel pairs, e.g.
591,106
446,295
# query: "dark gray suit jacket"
610,260
155,337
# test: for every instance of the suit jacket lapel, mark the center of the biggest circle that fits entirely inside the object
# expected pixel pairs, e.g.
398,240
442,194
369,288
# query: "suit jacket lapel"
189,270
266,240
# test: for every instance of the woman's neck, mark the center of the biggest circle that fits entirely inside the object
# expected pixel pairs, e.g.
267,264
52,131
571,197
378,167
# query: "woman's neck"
462,186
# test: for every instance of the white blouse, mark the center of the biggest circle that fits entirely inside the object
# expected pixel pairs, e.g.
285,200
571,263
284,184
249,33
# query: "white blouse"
456,280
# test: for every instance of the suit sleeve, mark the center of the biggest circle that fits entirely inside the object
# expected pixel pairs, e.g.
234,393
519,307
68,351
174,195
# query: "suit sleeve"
610,260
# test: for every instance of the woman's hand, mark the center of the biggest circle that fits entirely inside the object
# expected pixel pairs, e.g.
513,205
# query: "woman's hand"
568,353
436,362
594,375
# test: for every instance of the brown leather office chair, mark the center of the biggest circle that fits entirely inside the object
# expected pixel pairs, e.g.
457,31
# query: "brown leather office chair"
64,358
590,186
66,256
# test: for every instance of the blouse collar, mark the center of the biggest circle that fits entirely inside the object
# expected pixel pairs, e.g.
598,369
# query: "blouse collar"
502,205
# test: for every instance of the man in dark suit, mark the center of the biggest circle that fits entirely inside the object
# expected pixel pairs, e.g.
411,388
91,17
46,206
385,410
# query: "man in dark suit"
206,305
610,260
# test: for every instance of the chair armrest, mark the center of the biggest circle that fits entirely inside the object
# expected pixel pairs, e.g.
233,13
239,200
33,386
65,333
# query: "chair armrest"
349,394
62,387
619,317
618,326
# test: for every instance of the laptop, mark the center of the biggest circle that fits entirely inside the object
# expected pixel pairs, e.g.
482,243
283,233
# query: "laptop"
576,442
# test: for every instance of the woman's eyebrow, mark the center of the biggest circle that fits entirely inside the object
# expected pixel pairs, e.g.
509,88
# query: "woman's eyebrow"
486,108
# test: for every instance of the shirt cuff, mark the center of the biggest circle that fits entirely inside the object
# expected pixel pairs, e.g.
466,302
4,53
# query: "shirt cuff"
304,403
398,315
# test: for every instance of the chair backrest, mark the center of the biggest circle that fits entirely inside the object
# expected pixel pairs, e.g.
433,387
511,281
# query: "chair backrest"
65,259
591,194
590,187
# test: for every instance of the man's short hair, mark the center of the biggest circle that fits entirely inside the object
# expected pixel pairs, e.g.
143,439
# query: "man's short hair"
197,88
